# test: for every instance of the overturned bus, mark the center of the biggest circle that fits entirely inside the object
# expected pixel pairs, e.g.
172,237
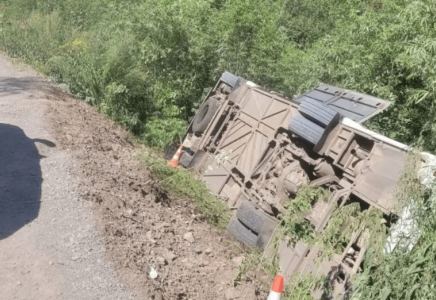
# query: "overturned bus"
257,149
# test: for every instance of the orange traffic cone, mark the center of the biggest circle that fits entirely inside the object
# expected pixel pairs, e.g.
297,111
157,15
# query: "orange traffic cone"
276,288
174,162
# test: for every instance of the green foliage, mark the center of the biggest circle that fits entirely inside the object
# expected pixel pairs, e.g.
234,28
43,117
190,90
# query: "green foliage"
257,261
147,63
294,225
350,219
300,288
182,183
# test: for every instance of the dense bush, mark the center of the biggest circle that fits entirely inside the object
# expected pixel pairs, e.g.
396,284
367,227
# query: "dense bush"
148,63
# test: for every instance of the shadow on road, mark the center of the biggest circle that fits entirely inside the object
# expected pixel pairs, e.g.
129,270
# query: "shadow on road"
16,86
20,179
12,86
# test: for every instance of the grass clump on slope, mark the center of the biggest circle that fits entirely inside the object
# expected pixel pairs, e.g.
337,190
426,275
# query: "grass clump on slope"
183,183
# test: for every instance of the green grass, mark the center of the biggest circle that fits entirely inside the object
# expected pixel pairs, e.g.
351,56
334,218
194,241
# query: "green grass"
183,183
294,225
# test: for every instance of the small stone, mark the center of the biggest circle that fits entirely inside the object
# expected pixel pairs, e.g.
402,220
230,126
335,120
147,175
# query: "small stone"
164,225
204,263
161,260
195,250
158,296
189,237
75,257
149,237
116,147
19,283
238,260
169,256
50,263
208,251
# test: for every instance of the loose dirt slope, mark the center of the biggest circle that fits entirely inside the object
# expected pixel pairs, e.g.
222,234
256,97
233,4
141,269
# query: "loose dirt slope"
140,225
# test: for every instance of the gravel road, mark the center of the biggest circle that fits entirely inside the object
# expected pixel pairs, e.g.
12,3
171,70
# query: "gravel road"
50,247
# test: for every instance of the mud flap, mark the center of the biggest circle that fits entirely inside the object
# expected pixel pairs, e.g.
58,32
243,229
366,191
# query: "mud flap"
185,159
197,159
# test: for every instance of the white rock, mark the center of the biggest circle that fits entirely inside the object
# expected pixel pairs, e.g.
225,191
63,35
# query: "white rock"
153,273
189,237
238,260
75,257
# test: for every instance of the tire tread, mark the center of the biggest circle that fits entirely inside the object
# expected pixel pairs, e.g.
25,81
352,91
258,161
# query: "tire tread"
306,129
250,217
317,112
242,233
